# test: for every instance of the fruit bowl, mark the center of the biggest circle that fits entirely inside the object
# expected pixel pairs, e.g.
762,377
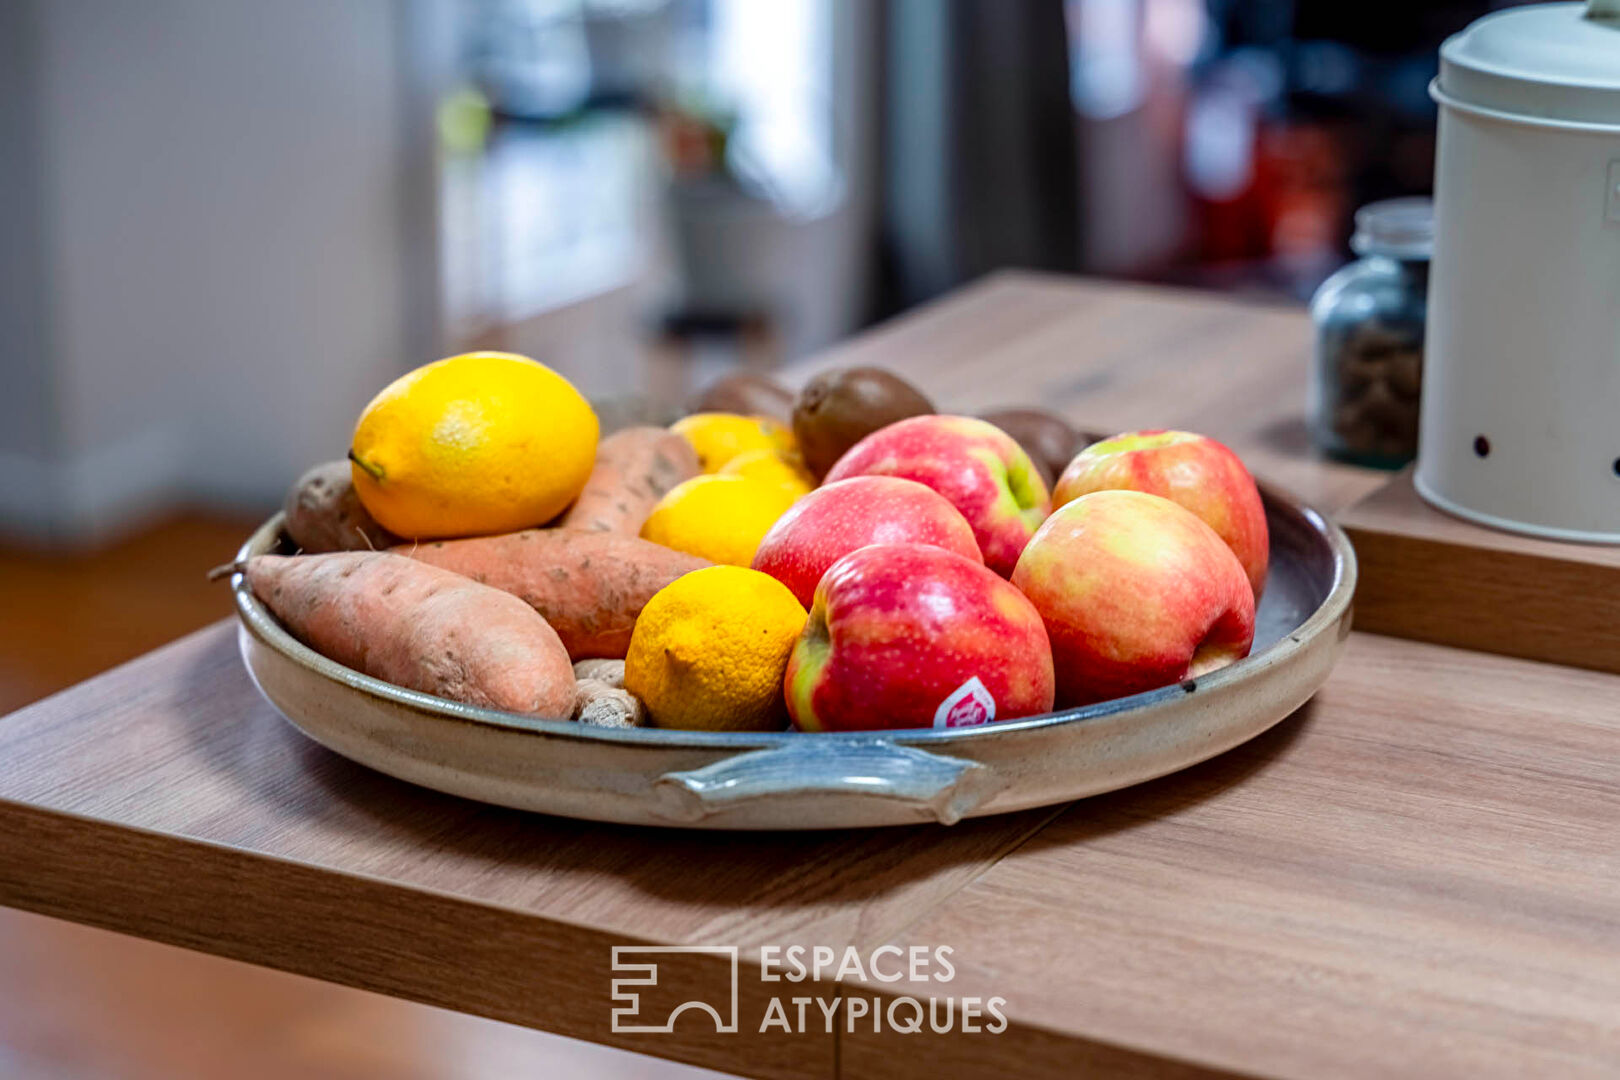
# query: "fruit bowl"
802,780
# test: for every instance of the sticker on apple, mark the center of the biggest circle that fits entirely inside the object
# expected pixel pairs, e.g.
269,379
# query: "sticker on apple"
969,705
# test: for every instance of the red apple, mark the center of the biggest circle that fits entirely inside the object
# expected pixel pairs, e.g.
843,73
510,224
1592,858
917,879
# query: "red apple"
1136,593
914,636
1193,470
836,519
980,468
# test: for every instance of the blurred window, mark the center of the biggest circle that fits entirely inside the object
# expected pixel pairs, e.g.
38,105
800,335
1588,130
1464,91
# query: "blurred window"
772,62
560,201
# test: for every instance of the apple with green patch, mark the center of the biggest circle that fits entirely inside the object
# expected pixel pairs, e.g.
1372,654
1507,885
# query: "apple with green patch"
1195,471
981,469
914,636
1136,593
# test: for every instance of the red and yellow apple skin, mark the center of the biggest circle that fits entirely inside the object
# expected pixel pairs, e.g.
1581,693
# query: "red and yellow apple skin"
980,468
1137,593
914,636
838,518
1192,470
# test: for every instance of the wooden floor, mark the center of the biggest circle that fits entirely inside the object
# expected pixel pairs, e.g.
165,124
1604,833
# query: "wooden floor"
68,616
90,1005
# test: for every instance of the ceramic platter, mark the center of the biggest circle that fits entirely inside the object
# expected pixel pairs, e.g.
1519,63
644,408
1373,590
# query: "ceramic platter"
793,780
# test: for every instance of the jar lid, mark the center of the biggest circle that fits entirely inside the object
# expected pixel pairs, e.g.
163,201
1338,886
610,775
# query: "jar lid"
1558,62
1398,228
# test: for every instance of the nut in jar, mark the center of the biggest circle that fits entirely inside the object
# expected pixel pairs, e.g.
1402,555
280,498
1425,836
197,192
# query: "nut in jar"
1369,318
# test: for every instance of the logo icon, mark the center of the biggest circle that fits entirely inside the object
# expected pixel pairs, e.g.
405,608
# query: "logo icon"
626,1018
969,705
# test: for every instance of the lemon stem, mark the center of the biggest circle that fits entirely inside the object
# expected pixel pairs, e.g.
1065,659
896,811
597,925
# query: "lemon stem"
370,470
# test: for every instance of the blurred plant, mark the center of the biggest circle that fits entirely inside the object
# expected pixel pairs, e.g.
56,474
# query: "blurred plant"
463,119
696,139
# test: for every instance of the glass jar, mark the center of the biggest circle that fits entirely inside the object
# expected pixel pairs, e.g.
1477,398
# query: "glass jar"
1368,367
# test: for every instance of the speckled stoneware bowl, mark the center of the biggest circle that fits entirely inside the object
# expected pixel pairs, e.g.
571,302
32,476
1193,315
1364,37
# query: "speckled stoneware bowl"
793,780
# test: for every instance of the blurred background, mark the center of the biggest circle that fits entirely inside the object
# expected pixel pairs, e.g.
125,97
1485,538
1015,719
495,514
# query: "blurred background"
224,224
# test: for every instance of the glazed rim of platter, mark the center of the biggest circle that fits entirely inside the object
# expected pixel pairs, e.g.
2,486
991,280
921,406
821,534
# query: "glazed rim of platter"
264,626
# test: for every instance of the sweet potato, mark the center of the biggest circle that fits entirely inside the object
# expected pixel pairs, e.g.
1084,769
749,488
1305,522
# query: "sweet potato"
323,513
419,627
634,468
590,586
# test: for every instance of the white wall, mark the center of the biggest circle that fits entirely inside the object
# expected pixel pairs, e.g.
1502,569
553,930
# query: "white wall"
26,423
222,209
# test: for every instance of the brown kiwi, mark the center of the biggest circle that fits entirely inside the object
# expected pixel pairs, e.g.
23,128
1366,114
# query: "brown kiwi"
1047,438
748,394
839,408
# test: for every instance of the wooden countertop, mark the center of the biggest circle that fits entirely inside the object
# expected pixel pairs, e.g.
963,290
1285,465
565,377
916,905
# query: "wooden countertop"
1417,874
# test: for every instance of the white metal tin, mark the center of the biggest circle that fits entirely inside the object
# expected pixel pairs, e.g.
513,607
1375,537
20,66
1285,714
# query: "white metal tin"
1521,389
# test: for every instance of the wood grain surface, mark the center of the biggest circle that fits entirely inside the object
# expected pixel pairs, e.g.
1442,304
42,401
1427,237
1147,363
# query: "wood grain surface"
166,799
1416,875
1433,577
87,1004
1114,357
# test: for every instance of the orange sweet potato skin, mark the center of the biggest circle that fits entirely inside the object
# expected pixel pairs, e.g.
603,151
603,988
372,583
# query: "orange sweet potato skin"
419,627
634,468
590,586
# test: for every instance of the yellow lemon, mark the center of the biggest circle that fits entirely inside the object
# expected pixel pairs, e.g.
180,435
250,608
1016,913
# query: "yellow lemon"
718,437
710,649
719,518
480,443
784,470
